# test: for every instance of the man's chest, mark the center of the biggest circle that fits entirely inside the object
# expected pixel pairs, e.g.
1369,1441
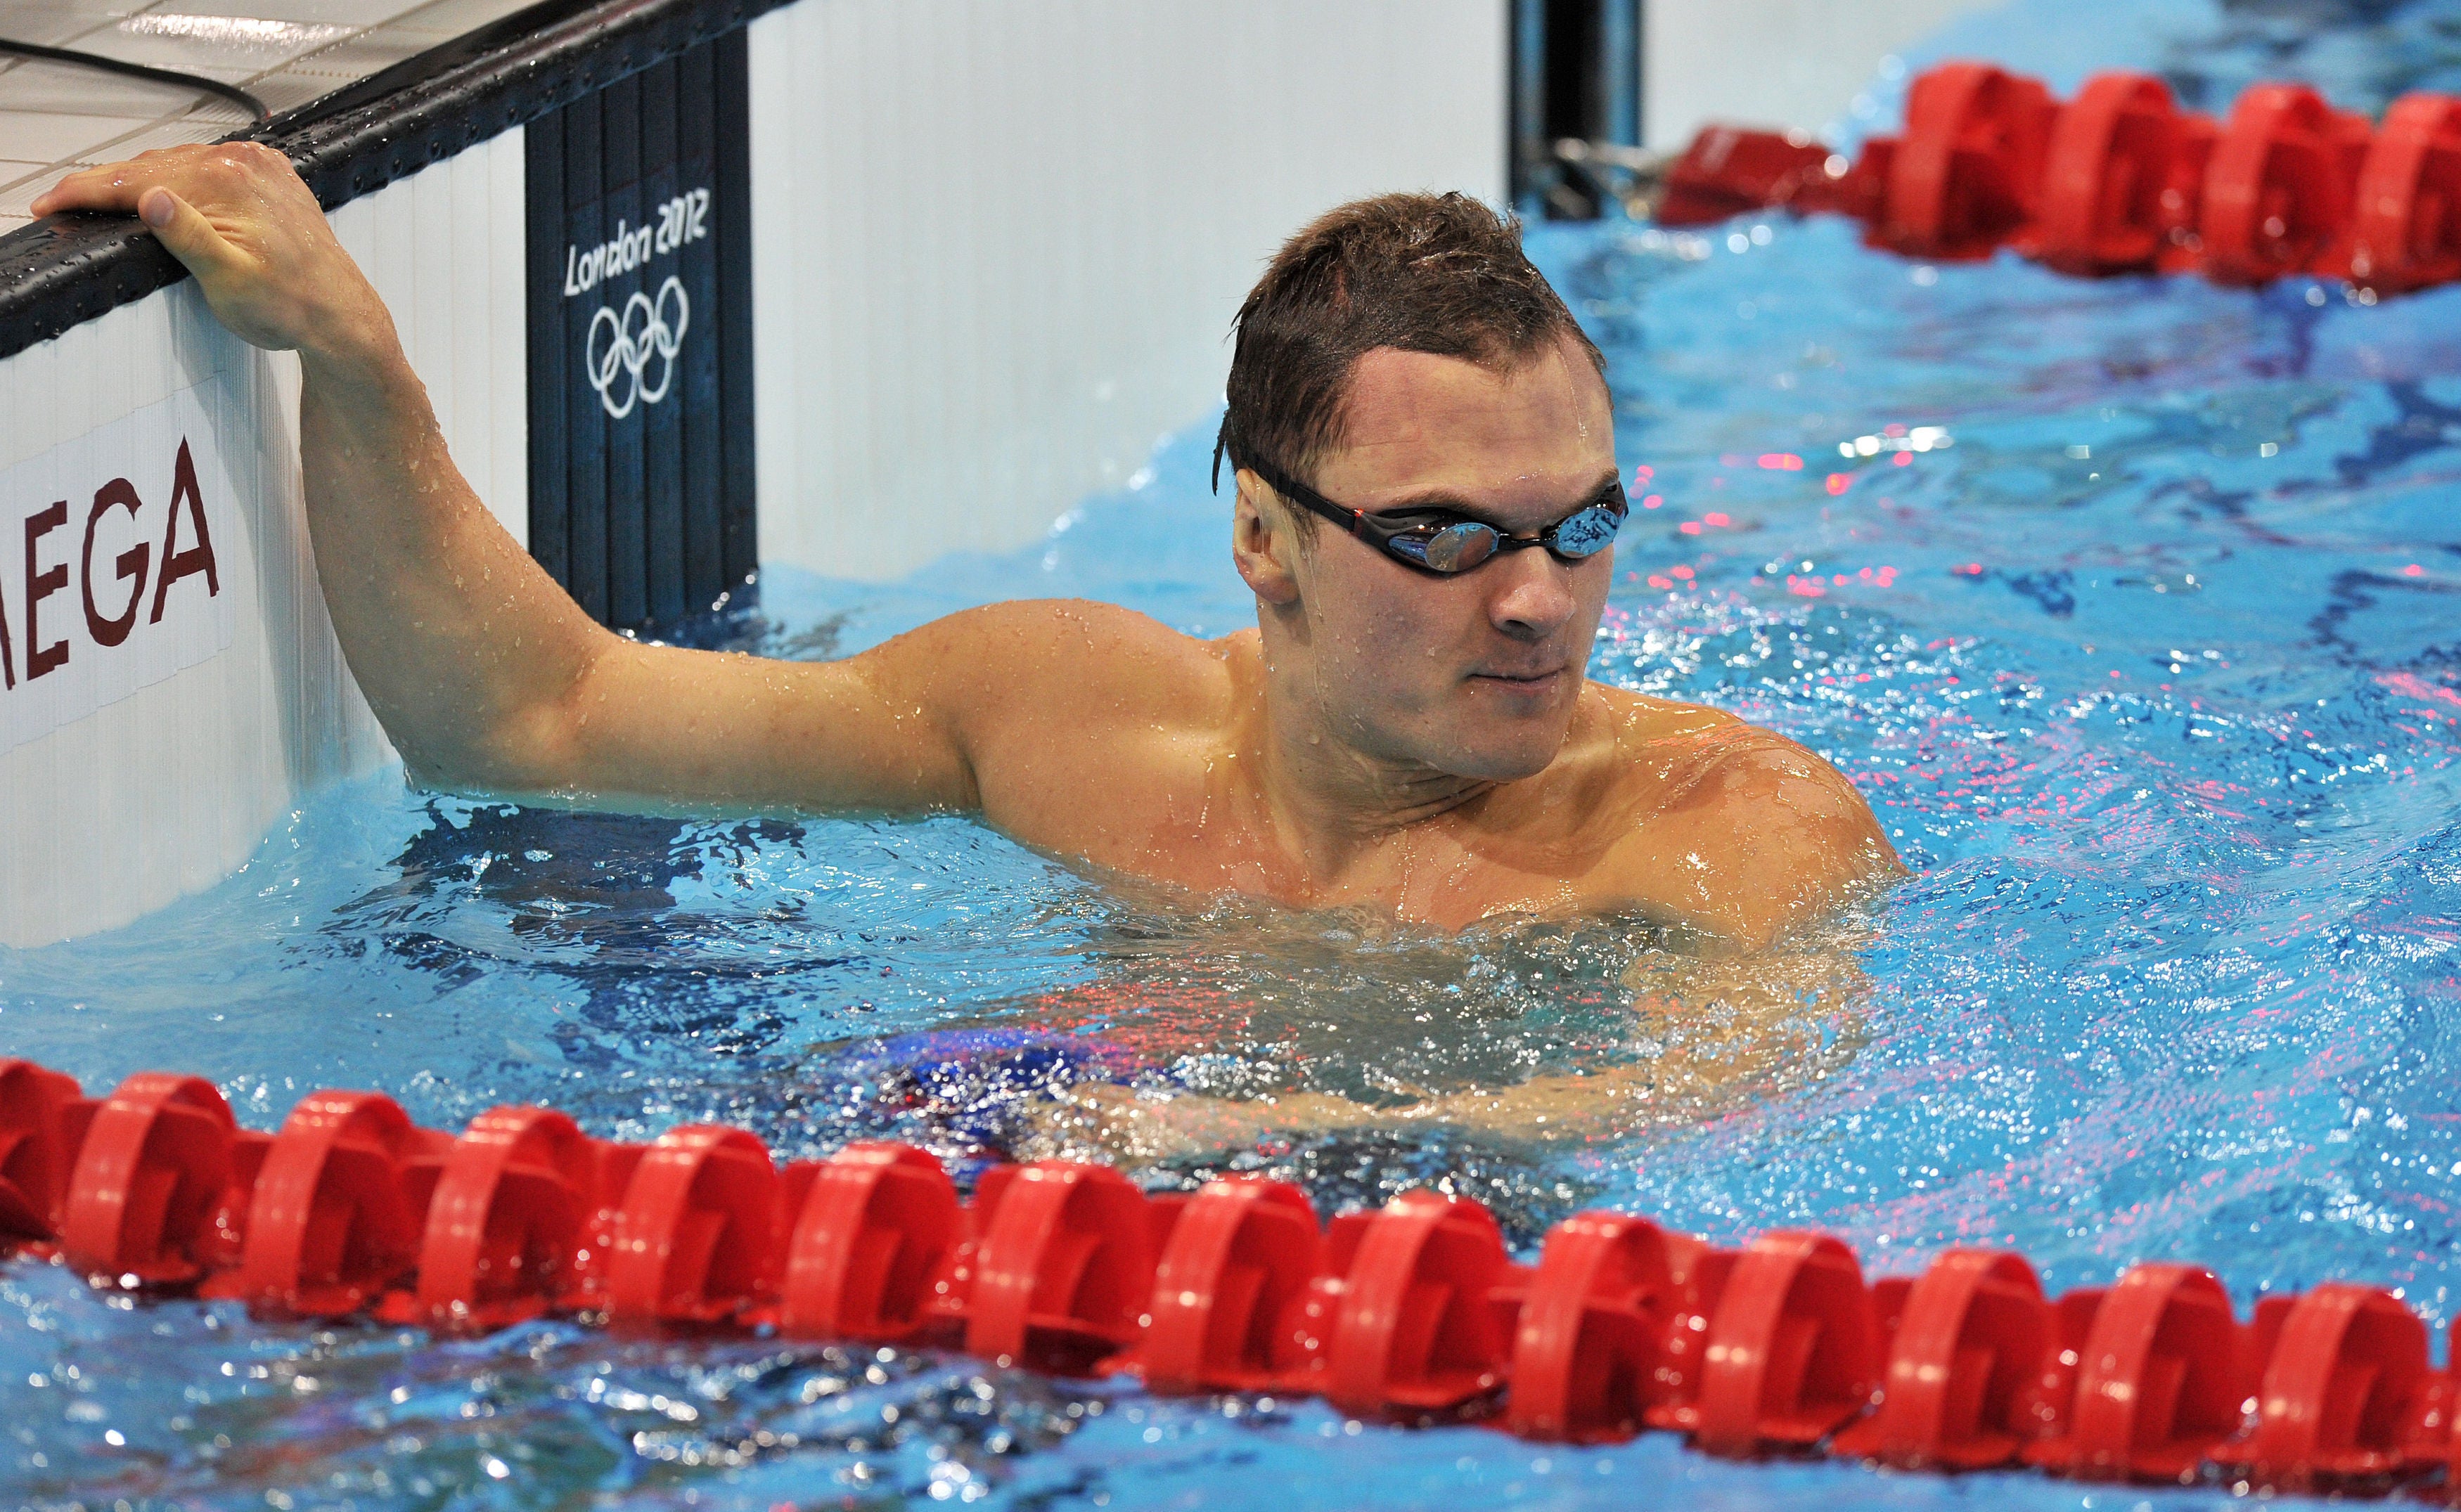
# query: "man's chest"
1204,827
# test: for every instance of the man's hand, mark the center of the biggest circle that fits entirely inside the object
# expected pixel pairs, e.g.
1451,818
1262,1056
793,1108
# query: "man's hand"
1123,1126
238,217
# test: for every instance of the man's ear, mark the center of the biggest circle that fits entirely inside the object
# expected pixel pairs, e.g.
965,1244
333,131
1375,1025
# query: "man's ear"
1264,543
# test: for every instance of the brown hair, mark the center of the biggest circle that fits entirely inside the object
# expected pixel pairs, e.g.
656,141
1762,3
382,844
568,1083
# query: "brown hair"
1439,273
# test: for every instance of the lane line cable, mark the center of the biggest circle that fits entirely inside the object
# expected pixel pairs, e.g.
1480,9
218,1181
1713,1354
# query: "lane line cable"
232,93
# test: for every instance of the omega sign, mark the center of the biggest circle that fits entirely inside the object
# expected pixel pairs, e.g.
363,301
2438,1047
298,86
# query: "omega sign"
116,551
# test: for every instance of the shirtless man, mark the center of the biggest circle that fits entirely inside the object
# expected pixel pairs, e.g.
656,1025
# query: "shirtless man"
1428,491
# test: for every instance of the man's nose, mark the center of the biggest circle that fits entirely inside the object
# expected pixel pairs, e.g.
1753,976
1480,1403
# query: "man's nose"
1534,594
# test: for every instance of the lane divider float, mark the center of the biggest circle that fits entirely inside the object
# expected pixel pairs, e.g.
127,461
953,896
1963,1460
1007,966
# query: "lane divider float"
2119,180
1415,1312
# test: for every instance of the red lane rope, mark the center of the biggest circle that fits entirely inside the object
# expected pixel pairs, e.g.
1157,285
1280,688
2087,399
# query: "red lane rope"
1414,1312
2118,180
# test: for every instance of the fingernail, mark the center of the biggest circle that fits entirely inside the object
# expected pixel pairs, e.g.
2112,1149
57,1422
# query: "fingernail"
155,207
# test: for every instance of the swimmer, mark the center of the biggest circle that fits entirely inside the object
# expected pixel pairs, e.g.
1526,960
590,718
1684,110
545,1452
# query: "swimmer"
1426,498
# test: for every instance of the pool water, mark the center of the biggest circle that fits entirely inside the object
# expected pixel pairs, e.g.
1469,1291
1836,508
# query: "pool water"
2133,607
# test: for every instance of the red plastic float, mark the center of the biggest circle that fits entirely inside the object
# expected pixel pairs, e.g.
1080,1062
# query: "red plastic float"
2122,179
695,1241
1063,1267
156,1170
1700,1274
876,1227
1416,1328
2159,1382
1592,1319
503,1220
1790,1358
611,1168
2277,189
2406,224
1412,1311
1964,177
37,1109
2347,1362
329,1226
2047,1399
1239,1259
2118,180
1727,171
1971,1335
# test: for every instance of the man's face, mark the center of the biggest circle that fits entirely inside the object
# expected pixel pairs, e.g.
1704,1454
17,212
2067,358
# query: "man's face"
1474,675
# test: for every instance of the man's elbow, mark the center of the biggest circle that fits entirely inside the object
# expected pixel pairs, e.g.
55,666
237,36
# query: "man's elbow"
538,743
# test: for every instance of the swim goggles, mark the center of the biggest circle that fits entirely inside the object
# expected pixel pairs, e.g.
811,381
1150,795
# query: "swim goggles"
1435,546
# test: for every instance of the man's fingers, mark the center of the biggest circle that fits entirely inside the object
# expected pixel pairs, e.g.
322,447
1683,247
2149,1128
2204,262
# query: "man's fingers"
100,189
180,228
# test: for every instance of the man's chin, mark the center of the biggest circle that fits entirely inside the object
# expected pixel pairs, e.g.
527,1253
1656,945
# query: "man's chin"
1506,734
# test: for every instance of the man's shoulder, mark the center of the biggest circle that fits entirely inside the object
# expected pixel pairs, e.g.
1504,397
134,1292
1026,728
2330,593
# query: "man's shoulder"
1677,753
1636,748
1741,828
1079,658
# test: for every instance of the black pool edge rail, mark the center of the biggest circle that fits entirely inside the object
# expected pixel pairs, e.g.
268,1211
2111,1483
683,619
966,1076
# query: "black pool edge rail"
64,270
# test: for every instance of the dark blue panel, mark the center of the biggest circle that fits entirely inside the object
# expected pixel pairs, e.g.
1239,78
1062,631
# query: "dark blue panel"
550,443
704,561
586,225
640,366
734,215
662,435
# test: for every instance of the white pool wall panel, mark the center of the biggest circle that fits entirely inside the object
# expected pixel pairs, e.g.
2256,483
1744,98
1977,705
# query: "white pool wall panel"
1799,63
168,789
998,246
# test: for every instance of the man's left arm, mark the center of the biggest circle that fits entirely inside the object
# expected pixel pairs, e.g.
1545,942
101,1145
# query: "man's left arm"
1766,839
1764,842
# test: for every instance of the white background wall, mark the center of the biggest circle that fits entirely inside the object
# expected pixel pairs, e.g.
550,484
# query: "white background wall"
170,789
997,246
1772,62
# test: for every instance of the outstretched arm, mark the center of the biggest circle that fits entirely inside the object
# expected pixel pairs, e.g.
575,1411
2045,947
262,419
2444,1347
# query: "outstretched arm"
1727,1029
1757,844
484,672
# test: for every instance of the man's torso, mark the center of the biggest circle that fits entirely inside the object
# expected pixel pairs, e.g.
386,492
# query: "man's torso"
1145,752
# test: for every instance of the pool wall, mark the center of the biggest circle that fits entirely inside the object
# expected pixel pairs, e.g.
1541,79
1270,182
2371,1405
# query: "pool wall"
959,327
967,327
136,773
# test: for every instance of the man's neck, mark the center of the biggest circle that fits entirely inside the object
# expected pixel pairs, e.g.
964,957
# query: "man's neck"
1332,800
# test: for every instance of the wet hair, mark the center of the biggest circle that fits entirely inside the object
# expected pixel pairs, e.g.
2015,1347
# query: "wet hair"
1439,273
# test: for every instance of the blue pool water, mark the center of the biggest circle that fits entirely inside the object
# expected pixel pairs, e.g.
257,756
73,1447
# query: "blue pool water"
2152,671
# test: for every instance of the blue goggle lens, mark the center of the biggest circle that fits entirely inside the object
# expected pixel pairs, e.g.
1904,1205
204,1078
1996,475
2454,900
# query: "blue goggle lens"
1458,548
1588,533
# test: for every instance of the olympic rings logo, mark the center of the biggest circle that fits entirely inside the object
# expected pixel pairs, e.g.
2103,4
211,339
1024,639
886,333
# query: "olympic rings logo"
620,348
